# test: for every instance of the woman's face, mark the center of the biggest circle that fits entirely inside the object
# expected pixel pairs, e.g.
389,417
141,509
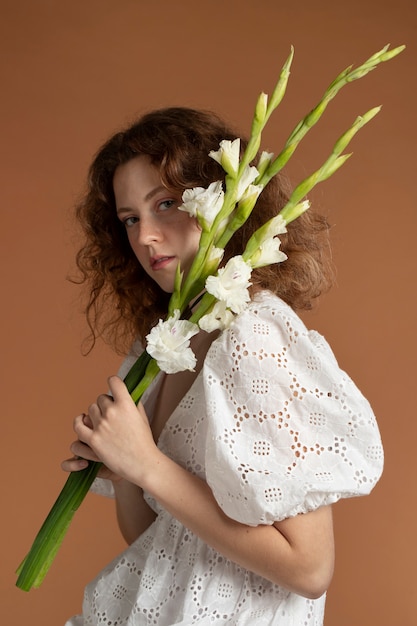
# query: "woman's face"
160,235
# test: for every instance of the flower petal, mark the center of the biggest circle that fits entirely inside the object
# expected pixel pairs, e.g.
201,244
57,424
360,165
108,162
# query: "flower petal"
219,318
249,174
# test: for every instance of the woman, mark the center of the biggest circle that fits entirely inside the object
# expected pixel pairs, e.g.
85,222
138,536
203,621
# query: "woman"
223,477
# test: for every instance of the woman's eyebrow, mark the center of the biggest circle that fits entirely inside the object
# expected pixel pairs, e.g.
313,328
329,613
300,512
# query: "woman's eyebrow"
149,196
153,192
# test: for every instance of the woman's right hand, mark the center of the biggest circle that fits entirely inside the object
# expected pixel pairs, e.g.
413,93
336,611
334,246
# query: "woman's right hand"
133,514
83,454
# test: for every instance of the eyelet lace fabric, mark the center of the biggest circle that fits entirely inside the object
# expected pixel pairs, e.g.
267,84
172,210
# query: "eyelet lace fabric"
276,429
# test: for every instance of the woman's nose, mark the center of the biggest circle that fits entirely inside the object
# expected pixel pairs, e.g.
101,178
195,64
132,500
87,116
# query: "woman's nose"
149,231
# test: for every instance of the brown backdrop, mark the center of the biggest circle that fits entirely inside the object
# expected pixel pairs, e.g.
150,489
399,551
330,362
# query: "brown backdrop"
72,72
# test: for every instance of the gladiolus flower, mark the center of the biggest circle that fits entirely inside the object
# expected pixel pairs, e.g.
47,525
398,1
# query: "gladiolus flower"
228,156
268,253
219,318
169,344
204,204
245,181
231,284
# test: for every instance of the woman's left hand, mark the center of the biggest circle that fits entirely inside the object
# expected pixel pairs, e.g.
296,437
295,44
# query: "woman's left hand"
119,433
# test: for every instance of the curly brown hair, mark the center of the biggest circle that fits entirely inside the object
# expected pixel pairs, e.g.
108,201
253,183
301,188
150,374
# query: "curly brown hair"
123,302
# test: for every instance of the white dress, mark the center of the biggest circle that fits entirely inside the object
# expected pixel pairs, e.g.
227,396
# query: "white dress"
276,429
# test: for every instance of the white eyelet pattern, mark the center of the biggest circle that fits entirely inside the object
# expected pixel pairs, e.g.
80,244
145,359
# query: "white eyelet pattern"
276,428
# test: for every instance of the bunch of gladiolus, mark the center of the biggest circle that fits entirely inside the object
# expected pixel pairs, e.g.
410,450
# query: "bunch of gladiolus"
221,209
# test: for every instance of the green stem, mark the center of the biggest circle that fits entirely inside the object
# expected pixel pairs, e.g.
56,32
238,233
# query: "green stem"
347,76
262,115
151,371
329,167
35,566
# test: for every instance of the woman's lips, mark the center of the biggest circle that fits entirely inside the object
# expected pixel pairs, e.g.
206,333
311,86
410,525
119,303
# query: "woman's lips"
158,263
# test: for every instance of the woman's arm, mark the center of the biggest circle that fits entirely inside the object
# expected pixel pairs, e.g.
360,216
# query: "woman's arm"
296,553
134,515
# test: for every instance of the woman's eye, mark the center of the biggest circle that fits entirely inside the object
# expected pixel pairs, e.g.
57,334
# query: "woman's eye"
166,204
129,221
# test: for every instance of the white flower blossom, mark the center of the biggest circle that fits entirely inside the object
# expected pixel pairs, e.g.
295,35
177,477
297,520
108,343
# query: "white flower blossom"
249,174
169,344
276,226
202,203
231,284
268,253
294,212
219,318
228,155
215,256
251,194
264,161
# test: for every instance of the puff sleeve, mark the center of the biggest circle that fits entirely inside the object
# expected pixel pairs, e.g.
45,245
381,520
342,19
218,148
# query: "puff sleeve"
288,431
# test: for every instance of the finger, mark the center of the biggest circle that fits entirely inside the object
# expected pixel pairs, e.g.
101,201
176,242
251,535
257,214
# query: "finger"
82,429
118,388
81,450
75,464
82,419
104,400
87,421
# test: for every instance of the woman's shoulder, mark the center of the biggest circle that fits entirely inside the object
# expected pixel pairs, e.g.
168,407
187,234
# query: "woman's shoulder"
267,305
270,329
269,318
